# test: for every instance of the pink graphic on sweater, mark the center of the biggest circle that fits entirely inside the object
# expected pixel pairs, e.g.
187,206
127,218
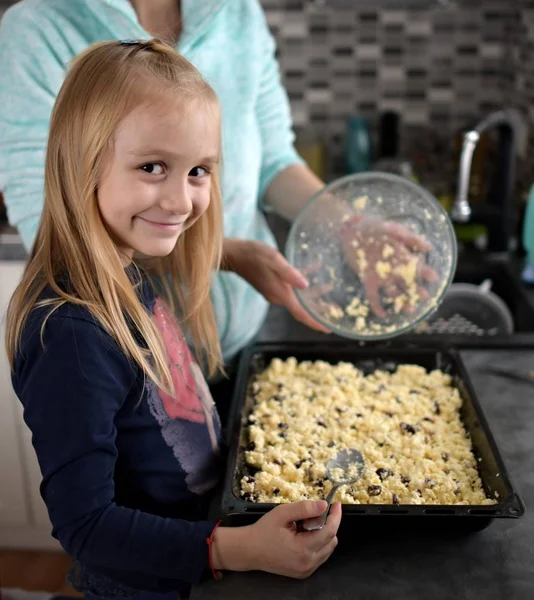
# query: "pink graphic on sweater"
179,355
192,404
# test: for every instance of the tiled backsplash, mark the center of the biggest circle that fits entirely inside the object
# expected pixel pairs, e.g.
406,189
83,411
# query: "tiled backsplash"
520,79
440,68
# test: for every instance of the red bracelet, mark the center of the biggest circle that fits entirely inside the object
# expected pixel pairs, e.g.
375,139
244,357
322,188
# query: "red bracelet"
216,574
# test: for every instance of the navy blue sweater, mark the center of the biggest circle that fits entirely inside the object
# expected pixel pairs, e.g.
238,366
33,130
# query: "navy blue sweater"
122,462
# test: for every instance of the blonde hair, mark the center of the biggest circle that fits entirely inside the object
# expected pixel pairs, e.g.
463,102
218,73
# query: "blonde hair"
104,84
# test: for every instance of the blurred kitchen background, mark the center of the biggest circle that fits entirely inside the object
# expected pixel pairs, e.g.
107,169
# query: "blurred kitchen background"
418,74
401,80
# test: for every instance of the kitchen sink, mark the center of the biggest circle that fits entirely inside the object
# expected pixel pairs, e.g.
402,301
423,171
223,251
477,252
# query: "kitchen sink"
506,284
473,267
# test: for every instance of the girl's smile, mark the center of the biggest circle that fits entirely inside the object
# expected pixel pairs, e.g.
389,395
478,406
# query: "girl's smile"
157,180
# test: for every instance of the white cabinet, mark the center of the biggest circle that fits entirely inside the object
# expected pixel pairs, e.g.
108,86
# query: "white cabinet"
23,518
13,499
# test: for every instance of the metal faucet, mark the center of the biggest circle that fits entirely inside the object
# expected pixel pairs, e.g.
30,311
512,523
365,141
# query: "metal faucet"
498,209
461,211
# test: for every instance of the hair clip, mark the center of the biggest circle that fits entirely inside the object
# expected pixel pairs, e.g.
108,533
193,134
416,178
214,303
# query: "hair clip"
132,42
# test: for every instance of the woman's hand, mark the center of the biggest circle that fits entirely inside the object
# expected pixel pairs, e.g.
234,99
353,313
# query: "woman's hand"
268,272
273,544
387,257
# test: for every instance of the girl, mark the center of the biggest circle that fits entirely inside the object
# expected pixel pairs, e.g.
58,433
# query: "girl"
123,425
229,42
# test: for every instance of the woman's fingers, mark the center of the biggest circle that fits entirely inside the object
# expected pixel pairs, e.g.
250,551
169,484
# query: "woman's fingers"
427,273
319,291
312,268
287,273
370,283
423,293
298,312
402,234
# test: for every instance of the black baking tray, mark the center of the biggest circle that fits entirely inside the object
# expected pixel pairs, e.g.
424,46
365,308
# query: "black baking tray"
492,470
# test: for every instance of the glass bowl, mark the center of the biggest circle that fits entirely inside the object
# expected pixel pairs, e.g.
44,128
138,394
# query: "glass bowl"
379,252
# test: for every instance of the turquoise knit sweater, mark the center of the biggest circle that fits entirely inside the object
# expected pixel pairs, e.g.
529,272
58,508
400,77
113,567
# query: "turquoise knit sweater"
227,40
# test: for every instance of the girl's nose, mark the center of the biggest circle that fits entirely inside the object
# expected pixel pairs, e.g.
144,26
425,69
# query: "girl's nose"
177,199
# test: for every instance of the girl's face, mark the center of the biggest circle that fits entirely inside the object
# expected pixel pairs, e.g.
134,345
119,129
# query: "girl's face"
157,178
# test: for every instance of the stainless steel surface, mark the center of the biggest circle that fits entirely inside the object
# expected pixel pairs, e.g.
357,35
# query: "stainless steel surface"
461,211
507,122
474,266
469,309
345,460
455,325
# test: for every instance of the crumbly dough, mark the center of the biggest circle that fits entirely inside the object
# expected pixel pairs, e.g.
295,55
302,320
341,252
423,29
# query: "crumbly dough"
335,312
403,301
360,324
408,271
406,424
360,202
362,260
383,268
356,308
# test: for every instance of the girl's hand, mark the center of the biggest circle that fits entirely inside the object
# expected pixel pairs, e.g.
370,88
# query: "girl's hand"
281,550
268,272
273,545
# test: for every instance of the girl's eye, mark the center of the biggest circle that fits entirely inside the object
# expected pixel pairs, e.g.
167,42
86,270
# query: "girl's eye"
198,172
153,168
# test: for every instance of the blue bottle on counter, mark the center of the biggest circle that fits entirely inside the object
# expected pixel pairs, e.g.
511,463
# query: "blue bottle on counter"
528,239
358,145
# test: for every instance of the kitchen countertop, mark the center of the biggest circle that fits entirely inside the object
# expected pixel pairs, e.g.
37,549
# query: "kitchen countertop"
494,564
11,248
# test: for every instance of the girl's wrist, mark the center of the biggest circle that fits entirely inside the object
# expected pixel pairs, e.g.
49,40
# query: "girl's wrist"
232,549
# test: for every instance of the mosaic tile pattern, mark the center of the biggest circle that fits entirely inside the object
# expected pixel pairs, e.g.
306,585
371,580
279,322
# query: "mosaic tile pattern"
441,69
520,79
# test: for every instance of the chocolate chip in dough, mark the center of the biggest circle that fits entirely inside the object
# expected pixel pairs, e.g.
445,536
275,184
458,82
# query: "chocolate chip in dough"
374,490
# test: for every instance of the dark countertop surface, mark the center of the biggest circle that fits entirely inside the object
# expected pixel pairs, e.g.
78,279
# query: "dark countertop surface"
494,564
11,248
